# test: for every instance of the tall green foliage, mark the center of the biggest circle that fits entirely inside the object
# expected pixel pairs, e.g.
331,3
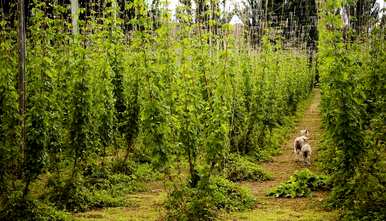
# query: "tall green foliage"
104,88
177,95
80,129
353,100
9,153
125,84
43,128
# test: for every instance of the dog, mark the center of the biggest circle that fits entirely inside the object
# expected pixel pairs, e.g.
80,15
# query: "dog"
302,148
305,154
298,144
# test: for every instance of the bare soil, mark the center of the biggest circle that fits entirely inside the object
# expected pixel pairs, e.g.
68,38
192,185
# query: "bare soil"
284,165
281,168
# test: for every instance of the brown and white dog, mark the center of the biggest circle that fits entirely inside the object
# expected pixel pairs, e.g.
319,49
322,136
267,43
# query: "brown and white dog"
302,149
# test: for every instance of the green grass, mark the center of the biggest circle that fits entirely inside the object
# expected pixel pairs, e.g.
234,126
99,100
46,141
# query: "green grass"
144,206
283,214
119,214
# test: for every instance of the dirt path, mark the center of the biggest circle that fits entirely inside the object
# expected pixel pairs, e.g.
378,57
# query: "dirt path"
282,167
147,206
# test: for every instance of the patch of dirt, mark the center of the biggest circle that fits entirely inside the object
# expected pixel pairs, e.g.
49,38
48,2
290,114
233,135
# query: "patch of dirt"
283,166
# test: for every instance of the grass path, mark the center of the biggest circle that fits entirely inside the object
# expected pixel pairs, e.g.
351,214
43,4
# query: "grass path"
282,167
148,205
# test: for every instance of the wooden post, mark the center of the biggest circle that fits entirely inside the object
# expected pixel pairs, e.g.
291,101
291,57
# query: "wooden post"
266,13
74,15
21,77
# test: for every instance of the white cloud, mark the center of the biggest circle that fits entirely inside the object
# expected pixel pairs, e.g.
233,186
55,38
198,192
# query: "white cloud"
229,4
236,20
381,5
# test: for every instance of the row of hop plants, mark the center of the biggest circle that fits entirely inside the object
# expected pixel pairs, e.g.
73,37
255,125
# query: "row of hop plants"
202,98
353,109
171,97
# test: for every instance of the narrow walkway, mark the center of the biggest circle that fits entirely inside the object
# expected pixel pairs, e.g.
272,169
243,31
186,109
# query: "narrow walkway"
282,167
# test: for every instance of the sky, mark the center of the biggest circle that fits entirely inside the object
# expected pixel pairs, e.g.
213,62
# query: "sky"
230,5
382,4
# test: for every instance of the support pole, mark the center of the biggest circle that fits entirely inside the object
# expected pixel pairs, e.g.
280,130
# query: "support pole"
21,78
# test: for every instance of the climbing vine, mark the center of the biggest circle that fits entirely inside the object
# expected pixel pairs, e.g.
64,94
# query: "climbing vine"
178,98
353,107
